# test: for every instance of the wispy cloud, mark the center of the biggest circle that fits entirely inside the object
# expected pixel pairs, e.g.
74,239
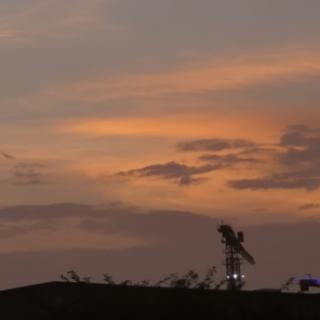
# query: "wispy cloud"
210,76
61,226
186,174
183,174
7,155
24,171
230,159
215,145
292,163
309,206
191,125
29,173
277,181
48,19
296,165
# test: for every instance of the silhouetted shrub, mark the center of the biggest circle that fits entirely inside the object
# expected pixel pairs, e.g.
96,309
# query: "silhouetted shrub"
287,284
108,279
72,276
208,281
144,283
168,280
64,278
190,280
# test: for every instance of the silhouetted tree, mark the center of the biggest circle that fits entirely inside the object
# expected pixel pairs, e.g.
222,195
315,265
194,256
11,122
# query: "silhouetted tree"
287,284
192,278
126,283
144,283
64,278
168,280
208,281
108,279
74,276
220,284
189,280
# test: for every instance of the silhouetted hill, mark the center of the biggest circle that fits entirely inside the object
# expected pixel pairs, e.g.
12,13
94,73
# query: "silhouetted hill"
98,301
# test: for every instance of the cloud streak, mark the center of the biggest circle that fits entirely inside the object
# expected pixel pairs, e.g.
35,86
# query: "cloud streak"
309,206
183,174
214,145
228,74
112,221
276,182
191,124
292,163
230,159
28,173
7,156
48,19
22,172
297,164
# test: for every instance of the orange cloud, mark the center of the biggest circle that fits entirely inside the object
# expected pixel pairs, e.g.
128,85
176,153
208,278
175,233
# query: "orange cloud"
176,126
226,74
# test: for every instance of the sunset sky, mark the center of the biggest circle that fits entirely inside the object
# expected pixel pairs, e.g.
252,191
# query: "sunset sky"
130,128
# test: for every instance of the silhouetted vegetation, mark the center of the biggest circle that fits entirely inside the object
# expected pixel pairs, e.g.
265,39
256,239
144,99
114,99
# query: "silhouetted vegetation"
189,280
287,284
108,279
73,276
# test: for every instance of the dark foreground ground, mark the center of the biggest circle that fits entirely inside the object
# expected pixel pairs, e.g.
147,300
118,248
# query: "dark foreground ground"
93,301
